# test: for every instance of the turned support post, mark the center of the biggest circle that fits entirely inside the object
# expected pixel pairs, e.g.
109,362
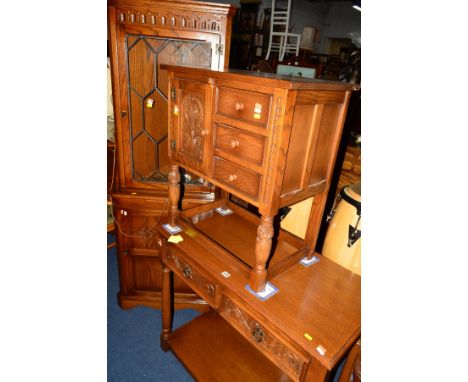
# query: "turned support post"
166,307
262,253
174,194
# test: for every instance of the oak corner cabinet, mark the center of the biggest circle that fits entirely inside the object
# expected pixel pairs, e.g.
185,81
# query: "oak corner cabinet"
270,141
143,34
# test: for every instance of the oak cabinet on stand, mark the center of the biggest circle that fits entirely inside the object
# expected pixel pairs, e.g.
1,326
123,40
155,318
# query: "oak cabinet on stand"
270,141
143,34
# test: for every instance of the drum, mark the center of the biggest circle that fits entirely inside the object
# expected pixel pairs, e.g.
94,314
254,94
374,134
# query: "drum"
343,238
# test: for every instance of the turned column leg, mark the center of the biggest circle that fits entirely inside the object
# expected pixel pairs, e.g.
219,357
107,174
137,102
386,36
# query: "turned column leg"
166,307
174,194
262,252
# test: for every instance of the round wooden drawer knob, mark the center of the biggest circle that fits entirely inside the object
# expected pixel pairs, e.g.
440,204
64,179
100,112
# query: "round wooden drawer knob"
232,177
234,143
204,132
239,106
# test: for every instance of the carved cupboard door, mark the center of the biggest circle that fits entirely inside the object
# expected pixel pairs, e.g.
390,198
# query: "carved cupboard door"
190,123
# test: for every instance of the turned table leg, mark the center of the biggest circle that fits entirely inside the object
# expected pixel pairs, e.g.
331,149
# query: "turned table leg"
174,194
166,307
262,253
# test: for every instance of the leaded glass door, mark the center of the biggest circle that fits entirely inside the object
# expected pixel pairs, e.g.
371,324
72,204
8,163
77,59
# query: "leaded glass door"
147,99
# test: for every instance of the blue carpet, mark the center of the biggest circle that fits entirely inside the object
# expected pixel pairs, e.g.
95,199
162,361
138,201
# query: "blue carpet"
133,352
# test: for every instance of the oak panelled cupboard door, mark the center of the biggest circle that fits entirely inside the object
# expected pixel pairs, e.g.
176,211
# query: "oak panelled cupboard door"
143,35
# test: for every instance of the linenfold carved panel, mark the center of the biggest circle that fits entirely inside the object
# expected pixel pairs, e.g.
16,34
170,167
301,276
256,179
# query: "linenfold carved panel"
192,126
210,23
288,360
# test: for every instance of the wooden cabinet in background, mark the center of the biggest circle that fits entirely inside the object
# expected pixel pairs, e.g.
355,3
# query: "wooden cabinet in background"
142,35
139,257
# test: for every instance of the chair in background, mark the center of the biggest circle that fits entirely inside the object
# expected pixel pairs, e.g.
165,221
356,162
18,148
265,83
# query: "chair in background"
281,40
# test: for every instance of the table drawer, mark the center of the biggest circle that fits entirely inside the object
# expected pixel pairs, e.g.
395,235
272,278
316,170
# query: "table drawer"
250,147
243,105
205,288
237,177
282,355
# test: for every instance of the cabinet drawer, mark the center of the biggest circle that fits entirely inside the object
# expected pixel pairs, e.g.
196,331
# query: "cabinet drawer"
249,147
243,105
237,177
205,288
284,357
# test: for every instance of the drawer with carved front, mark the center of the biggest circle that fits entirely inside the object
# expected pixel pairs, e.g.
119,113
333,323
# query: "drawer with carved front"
246,106
192,276
282,355
231,142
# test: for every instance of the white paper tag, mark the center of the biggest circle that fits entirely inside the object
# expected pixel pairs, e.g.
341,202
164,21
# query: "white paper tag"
223,211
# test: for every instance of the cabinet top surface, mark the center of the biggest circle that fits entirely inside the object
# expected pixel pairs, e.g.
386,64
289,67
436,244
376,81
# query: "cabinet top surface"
172,3
267,79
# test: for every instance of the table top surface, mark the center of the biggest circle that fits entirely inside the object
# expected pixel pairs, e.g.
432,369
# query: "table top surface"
267,79
322,300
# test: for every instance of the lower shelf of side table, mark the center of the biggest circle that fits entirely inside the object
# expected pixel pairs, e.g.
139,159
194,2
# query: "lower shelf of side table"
211,350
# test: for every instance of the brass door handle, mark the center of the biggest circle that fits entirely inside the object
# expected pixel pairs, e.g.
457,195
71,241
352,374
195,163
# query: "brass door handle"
187,271
258,334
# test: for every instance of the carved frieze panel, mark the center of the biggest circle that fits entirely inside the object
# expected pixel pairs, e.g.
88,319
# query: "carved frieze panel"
204,23
288,360
200,284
